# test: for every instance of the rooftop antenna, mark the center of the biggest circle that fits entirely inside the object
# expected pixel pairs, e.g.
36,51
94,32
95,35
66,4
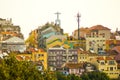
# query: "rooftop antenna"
57,21
78,20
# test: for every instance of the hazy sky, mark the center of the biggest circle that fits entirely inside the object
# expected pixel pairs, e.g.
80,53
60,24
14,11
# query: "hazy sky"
30,14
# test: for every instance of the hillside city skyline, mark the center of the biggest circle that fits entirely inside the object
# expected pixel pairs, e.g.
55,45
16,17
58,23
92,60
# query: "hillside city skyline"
59,39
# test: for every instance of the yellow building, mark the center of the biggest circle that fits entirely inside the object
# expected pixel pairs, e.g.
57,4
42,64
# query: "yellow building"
82,56
85,56
32,39
40,55
108,65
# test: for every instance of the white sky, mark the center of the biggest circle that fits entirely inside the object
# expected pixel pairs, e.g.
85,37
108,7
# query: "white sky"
29,14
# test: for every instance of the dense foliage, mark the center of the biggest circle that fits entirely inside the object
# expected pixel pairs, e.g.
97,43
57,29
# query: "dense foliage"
95,75
11,69
61,76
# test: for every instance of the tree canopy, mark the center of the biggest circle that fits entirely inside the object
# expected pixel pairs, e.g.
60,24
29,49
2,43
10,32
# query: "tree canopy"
11,69
95,75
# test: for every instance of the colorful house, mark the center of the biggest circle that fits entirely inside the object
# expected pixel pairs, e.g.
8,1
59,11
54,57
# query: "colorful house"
40,55
108,65
74,68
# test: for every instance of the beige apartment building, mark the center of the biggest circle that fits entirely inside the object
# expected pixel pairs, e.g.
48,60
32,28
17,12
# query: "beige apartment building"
107,65
95,36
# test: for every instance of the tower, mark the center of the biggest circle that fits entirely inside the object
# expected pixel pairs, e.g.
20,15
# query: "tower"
57,21
78,20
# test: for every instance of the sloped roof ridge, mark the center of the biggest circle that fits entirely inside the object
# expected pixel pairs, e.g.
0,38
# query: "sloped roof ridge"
99,27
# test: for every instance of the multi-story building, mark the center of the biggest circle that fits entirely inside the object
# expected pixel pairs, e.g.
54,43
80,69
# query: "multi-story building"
72,55
82,56
74,68
107,64
82,32
46,31
59,56
7,30
41,56
96,38
13,44
56,57
85,56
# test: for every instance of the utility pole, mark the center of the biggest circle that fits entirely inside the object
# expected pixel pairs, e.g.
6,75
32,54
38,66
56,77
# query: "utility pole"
57,21
78,20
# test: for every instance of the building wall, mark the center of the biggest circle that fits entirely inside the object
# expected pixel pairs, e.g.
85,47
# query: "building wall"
82,58
72,55
40,56
61,37
106,66
5,21
95,43
59,56
56,57
106,32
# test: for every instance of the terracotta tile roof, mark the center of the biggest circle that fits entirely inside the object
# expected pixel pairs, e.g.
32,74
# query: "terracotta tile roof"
100,58
11,33
105,58
41,50
109,58
32,50
19,58
113,41
74,65
99,27
27,58
85,30
83,52
117,49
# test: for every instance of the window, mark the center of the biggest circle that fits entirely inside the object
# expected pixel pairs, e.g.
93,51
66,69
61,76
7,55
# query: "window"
111,62
102,63
97,40
103,44
111,68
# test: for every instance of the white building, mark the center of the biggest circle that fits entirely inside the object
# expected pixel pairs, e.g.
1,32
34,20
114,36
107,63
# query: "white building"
14,44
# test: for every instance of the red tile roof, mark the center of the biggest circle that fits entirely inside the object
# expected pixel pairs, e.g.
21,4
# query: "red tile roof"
19,58
99,27
106,58
100,58
109,58
73,65
117,49
27,58
10,33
